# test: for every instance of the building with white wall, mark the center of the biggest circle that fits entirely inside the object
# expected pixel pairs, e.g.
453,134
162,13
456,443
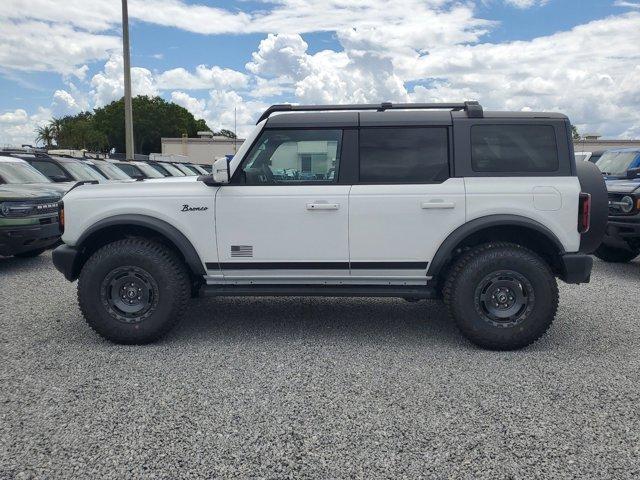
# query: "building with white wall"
203,150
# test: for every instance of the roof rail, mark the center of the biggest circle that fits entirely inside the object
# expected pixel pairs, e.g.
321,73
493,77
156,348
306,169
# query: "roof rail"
473,109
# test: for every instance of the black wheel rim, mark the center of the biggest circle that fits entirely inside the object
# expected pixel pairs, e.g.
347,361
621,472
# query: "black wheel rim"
504,298
129,293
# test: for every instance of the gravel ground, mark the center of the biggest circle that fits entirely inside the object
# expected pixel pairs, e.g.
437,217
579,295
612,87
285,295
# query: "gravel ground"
317,388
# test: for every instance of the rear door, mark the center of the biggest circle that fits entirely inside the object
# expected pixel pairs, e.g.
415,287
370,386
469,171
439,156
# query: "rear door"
284,215
404,203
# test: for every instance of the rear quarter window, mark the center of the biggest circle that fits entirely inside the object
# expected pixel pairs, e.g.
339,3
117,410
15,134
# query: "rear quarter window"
514,148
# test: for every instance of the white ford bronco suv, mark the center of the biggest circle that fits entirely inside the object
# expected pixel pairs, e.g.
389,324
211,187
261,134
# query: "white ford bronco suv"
418,201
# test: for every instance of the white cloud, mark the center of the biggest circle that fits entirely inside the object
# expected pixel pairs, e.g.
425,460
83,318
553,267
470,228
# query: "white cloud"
522,4
594,79
197,107
64,103
17,116
327,76
626,4
40,46
202,78
223,110
21,127
108,85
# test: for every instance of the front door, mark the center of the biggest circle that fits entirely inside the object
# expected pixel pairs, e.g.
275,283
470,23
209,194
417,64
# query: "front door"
284,216
404,204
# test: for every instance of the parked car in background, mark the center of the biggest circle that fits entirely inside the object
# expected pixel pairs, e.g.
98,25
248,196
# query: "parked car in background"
166,169
108,169
61,169
592,157
16,171
621,242
29,222
198,169
185,169
138,169
614,164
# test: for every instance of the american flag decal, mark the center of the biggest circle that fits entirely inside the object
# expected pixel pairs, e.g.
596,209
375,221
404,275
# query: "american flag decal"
241,250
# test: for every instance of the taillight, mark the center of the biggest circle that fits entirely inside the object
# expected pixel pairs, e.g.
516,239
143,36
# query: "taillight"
61,216
584,213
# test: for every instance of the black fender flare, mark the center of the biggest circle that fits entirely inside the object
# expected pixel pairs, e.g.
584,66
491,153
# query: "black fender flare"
456,237
161,227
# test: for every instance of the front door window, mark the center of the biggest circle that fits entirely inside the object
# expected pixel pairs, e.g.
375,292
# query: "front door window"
292,156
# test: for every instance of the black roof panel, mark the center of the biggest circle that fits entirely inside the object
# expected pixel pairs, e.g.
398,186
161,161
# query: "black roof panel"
313,119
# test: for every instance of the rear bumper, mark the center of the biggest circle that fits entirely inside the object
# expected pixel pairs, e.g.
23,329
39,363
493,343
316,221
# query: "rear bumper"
21,239
65,259
576,268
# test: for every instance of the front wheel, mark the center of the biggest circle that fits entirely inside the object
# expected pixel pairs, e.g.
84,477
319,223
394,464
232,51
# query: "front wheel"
616,255
502,296
133,291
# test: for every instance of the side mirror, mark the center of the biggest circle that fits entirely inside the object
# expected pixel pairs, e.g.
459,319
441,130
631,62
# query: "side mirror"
633,172
220,171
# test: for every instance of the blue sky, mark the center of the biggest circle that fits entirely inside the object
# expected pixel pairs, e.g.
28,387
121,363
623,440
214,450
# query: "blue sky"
577,56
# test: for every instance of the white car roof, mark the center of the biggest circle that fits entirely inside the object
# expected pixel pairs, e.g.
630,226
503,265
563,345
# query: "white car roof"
6,159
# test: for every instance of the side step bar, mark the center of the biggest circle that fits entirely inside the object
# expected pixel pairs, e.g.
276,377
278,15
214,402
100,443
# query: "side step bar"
319,291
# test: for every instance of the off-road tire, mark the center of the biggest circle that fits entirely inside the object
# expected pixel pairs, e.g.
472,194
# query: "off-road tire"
30,253
163,270
615,255
465,280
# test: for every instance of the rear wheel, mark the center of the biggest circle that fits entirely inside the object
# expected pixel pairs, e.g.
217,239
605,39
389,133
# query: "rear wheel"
133,291
502,296
616,255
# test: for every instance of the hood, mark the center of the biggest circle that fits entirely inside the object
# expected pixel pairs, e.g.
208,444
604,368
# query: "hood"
191,178
623,186
61,188
27,192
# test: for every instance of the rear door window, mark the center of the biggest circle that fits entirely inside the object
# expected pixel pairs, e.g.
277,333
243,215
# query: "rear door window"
404,155
514,148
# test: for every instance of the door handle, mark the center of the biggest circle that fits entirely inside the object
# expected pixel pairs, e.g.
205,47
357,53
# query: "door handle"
323,206
436,205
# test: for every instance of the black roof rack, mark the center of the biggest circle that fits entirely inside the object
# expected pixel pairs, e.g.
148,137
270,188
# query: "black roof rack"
473,109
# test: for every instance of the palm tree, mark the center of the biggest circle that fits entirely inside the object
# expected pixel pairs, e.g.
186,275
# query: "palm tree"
56,125
44,135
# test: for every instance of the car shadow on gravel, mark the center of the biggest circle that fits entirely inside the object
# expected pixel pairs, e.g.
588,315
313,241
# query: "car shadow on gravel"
15,264
617,269
348,320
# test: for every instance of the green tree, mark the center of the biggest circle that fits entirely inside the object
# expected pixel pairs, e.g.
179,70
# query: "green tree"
153,118
574,133
44,134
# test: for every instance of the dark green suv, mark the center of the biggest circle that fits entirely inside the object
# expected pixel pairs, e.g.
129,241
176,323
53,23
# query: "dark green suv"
29,222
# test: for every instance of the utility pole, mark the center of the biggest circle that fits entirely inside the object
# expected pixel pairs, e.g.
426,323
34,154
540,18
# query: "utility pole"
128,109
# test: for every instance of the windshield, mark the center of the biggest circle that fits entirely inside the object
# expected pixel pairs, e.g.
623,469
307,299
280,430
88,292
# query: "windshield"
172,170
20,172
199,169
148,170
82,171
112,171
185,170
616,163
